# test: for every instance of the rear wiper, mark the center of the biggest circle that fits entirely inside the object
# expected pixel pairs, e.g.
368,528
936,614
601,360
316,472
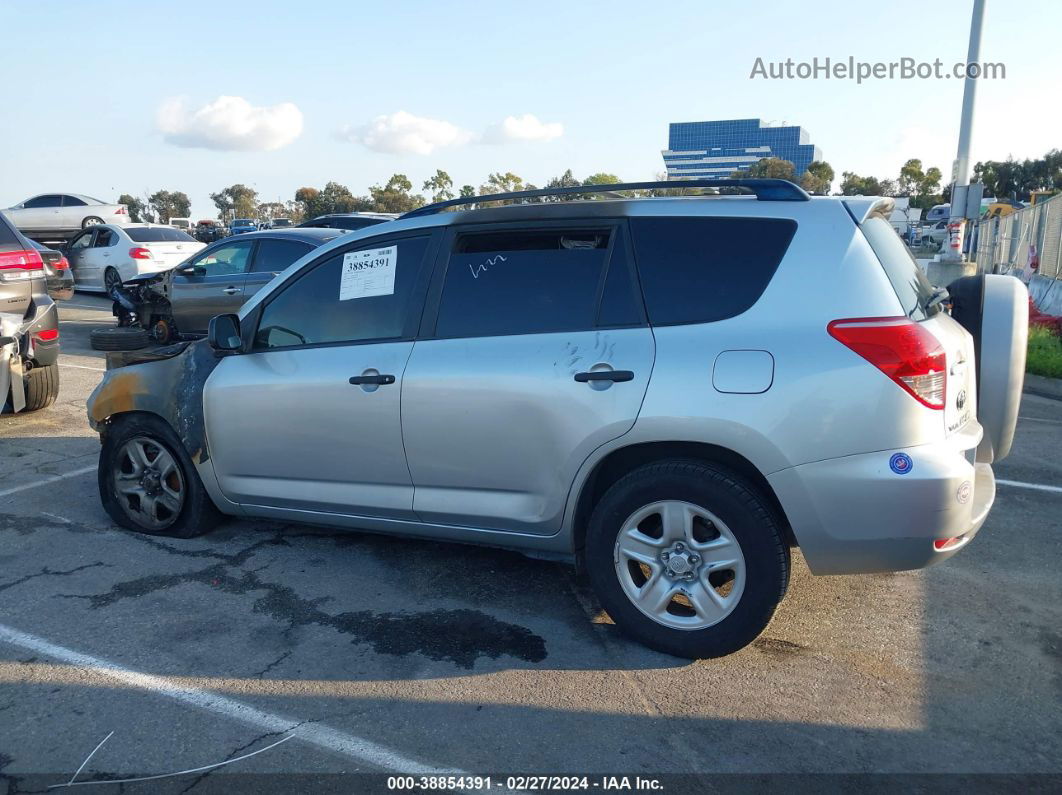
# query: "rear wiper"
940,295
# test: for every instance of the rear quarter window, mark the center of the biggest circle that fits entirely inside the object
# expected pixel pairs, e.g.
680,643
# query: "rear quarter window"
698,270
159,234
908,280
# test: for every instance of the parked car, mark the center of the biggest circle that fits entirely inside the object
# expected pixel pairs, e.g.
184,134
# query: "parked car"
107,255
180,301
937,232
242,226
670,391
938,212
208,231
184,224
280,223
64,213
349,221
59,279
29,326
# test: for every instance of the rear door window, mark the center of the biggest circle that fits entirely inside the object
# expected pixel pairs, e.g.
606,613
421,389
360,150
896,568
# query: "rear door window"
365,293
273,256
912,286
105,238
698,270
522,281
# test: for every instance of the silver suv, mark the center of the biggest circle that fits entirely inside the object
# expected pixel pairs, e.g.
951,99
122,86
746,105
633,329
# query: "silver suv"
672,392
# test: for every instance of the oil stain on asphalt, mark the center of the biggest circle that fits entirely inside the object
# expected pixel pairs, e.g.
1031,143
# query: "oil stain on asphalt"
460,636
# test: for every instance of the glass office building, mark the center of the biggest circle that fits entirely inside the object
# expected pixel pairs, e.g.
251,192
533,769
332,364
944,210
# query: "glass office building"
716,149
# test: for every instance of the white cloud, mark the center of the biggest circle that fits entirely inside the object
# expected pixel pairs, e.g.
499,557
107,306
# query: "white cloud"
229,124
403,133
523,128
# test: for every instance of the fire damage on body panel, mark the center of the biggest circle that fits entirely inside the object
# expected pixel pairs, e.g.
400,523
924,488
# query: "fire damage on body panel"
167,382
145,301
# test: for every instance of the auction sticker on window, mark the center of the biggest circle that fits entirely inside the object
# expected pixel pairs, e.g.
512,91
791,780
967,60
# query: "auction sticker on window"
368,273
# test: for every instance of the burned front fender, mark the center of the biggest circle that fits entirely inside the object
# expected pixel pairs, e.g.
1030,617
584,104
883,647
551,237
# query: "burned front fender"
167,383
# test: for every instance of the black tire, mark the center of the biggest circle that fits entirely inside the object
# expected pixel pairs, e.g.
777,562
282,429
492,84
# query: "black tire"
198,514
111,279
748,516
119,338
91,220
42,387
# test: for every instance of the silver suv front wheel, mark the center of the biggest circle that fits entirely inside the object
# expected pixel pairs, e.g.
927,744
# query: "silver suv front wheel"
687,558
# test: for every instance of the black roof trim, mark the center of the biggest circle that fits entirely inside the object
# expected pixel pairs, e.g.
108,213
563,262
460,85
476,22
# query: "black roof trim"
769,190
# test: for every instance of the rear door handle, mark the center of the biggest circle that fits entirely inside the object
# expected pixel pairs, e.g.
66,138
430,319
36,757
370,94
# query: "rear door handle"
605,375
381,379
231,290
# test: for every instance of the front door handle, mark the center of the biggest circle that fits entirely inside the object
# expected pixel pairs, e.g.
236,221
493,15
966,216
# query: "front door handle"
605,375
380,379
231,290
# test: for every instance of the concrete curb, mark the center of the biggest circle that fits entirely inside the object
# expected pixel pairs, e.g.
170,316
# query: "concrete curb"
1043,387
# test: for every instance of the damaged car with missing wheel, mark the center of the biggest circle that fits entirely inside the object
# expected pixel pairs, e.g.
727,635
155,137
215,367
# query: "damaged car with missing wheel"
177,303
671,392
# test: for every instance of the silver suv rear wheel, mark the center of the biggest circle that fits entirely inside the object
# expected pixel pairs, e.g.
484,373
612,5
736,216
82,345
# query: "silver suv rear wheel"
687,557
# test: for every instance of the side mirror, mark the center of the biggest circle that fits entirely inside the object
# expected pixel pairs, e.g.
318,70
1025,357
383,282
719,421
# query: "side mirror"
224,333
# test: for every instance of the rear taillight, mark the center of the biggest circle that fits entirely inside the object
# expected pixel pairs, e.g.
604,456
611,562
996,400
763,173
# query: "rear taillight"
121,210
48,335
902,349
139,252
62,264
20,261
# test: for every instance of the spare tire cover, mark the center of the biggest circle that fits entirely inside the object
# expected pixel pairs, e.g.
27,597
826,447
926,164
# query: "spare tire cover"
1001,368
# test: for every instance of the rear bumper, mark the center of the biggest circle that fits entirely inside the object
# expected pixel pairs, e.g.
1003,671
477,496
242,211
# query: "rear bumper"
856,515
46,319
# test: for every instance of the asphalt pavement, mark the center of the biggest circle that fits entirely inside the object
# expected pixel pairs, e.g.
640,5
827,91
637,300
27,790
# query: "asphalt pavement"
363,653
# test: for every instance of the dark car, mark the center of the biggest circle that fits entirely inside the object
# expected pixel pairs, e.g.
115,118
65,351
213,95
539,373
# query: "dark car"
348,221
178,303
59,277
242,226
29,326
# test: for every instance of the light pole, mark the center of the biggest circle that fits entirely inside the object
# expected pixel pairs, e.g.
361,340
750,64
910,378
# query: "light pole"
961,169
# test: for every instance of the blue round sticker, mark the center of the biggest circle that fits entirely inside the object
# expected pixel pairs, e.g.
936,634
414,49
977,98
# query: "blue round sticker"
901,463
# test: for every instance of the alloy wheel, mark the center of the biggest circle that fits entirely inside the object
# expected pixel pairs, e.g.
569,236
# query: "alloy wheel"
679,564
148,483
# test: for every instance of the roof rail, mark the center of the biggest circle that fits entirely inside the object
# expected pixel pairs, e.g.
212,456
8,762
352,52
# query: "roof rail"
768,190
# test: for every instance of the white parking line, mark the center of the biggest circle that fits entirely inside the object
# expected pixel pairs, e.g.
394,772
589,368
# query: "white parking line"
83,367
47,480
1018,484
1040,419
65,305
348,745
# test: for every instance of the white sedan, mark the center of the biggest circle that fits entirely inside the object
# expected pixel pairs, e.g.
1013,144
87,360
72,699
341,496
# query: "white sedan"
63,213
104,255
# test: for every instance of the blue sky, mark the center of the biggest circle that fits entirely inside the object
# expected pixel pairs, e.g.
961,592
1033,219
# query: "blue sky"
600,81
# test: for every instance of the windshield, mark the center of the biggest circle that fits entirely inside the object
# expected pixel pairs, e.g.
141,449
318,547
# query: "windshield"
244,222
158,234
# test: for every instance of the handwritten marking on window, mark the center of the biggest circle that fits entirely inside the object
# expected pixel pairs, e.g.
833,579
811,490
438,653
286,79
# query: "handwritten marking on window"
478,269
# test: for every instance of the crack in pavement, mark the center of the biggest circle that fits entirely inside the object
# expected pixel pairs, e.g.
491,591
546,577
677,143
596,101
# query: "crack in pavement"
46,572
273,664
460,636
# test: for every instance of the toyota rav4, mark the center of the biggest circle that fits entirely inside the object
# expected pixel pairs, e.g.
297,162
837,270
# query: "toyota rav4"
673,392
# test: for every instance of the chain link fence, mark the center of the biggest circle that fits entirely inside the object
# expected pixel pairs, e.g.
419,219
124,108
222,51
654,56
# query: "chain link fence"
1011,244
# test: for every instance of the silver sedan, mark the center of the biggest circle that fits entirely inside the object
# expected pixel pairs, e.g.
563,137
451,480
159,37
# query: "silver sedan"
64,213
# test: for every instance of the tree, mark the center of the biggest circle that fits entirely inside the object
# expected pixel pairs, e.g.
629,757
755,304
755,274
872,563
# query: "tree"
854,185
768,168
565,180
818,178
467,191
236,201
502,183
601,178
440,186
137,208
395,196
271,210
167,205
